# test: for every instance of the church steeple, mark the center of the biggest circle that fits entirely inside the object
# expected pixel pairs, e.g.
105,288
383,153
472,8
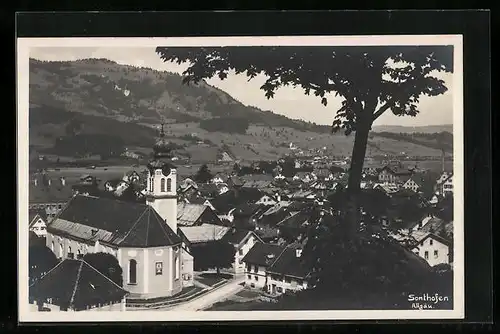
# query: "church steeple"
162,181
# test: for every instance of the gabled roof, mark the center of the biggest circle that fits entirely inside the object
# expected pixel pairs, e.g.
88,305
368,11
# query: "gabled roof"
77,285
263,254
204,232
424,236
189,214
33,218
289,264
124,224
237,236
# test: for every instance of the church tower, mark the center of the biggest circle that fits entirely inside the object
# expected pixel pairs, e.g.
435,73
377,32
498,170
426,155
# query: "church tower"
161,189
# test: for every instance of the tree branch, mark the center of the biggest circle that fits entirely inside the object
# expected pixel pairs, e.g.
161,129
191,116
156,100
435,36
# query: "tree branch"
383,109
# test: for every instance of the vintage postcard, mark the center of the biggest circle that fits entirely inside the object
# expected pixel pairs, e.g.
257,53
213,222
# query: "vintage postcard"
240,178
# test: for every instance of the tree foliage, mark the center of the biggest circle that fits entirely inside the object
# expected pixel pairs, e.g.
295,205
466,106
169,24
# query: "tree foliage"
107,264
369,79
214,254
203,175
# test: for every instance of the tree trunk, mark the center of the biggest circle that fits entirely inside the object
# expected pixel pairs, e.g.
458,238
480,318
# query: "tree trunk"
355,172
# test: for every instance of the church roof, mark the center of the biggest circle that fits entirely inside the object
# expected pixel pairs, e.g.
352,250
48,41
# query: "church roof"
115,222
77,285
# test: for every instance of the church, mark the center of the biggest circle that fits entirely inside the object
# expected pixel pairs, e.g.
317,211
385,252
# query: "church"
143,237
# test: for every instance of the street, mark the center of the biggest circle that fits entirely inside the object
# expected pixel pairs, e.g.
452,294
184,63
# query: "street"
212,297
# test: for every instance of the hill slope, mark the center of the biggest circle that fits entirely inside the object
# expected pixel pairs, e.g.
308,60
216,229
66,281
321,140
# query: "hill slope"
76,106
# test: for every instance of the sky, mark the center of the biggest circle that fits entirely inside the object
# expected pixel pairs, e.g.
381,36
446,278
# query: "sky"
288,101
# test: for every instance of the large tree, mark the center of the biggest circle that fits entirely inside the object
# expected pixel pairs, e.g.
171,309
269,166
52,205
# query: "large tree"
214,254
203,175
370,80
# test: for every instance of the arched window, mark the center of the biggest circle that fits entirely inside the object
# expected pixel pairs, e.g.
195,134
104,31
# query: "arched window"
152,184
60,249
132,272
169,184
52,247
162,185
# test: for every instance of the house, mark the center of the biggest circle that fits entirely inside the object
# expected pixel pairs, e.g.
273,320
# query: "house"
443,177
198,234
390,174
189,214
447,186
49,195
223,188
142,236
304,177
323,174
275,268
208,190
260,257
219,178
199,200
268,200
74,285
243,241
235,197
234,182
414,183
288,272
433,248
132,177
303,195
37,224
387,188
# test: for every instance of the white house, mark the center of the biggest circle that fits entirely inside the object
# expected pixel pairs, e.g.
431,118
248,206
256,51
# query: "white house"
37,225
447,188
242,241
258,259
275,268
433,248
267,200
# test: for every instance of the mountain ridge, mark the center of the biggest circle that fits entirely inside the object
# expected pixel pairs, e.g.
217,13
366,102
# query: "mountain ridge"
72,102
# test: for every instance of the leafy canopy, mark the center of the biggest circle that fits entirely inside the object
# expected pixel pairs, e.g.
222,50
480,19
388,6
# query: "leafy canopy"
370,79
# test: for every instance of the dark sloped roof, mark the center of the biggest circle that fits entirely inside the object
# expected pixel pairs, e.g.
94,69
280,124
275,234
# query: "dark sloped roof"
125,224
235,236
235,197
263,254
76,284
289,264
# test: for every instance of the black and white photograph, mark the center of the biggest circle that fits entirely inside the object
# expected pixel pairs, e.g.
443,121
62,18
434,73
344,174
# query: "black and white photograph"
240,178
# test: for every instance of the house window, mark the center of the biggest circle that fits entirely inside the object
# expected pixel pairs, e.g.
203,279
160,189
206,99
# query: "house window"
162,185
255,269
240,252
426,255
159,268
176,269
70,253
431,241
132,272
435,254
169,184
249,276
256,278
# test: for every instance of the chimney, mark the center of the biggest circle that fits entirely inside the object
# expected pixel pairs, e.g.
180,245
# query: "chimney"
298,252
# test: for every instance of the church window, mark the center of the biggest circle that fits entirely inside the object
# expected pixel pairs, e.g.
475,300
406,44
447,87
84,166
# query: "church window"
60,249
176,269
52,247
162,185
152,184
159,268
169,184
132,272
